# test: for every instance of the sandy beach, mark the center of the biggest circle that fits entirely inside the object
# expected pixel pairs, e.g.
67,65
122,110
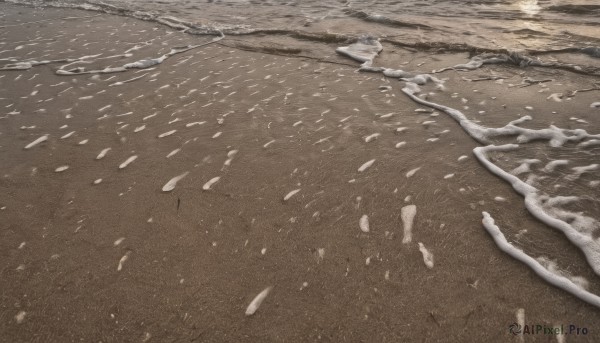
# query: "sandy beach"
154,204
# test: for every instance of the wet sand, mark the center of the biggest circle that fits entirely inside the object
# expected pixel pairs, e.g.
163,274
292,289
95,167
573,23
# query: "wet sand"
122,260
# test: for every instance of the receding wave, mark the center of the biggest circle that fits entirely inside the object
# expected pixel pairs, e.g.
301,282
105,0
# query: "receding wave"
380,19
576,9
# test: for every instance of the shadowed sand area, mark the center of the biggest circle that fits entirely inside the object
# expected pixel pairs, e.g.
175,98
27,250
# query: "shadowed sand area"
231,171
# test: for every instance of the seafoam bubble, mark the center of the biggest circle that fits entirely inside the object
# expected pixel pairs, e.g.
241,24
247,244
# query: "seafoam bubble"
122,260
366,165
20,317
102,153
170,185
412,172
363,223
371,137
168,133
37,141
427,256
257,301
291,194
210,183
407,214
128,161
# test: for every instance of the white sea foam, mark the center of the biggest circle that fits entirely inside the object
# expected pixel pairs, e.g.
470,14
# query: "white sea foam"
257,301
366,165
128,161
579,232
103,153
552,278
122,260
37,141
210,183
578,171
364,50
363,223
20,317
550,166
372,137
195,123
291,194
427,255
525,166
412,172
67,135
168,133
408,213
173,152
169,186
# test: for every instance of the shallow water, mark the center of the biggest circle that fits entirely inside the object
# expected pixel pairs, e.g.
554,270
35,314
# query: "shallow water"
513,25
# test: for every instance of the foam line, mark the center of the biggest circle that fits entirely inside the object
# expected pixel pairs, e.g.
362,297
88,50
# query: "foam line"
553,279
141,64
364,50
556,136
534,203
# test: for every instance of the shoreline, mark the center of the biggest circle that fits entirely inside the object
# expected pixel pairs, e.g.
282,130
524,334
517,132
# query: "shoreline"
283,123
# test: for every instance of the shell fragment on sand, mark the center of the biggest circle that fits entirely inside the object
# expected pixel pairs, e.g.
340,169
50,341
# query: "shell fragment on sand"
257,301
169,186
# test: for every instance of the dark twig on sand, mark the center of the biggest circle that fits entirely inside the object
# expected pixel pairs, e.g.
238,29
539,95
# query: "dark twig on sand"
595,88
485,78
529,81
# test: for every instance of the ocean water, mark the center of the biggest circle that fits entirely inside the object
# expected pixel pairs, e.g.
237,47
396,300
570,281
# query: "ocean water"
487,24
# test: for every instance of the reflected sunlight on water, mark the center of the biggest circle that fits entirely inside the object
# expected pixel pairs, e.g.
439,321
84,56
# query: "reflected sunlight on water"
529,7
